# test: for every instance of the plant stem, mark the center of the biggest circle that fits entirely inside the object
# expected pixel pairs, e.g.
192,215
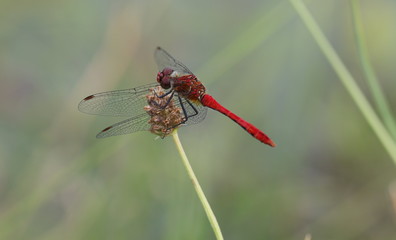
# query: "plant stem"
372,80
346,78
198,189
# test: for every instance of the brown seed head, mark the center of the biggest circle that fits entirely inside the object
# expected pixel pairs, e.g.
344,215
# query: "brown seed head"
163,119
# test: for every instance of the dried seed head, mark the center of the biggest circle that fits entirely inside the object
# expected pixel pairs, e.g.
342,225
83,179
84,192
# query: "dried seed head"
165,117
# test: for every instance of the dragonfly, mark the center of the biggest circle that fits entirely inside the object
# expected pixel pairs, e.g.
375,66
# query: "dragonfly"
177,99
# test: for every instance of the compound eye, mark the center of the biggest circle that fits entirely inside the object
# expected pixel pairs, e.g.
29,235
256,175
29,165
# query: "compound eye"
164,78
160,75
167,71
165,82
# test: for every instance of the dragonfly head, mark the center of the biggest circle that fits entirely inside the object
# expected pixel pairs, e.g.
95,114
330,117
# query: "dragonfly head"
164,78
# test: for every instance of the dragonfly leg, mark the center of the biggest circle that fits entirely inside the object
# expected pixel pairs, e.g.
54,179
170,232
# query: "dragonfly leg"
192,106
163,95
186,116
167,101
184,112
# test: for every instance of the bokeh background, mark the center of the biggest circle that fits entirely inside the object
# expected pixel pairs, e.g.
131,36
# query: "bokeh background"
329,175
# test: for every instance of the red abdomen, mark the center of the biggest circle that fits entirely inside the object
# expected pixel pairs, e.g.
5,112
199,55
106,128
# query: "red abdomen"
210,102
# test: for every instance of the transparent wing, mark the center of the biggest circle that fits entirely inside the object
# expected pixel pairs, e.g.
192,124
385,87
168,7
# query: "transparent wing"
121,103
131,125
164,60
196,112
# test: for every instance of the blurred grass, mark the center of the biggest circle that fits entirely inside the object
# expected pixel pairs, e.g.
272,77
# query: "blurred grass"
250,37
15,217
198,189
350,83
40,198
327,176
370,75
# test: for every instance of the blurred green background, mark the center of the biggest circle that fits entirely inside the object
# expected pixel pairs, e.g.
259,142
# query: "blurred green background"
329,175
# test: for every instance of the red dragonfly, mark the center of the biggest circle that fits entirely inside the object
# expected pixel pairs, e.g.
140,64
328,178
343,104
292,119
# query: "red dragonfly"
177,91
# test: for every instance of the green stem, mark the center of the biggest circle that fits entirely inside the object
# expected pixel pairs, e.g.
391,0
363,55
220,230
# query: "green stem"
372,80
346,78
198,189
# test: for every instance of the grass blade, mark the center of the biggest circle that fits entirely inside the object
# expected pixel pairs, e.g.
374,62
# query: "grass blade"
346,78
371,77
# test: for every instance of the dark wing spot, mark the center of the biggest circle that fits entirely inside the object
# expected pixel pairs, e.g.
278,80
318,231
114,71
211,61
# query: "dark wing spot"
89,97
106,129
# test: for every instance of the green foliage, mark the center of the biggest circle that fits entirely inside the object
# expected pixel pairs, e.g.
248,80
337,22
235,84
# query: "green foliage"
329,175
